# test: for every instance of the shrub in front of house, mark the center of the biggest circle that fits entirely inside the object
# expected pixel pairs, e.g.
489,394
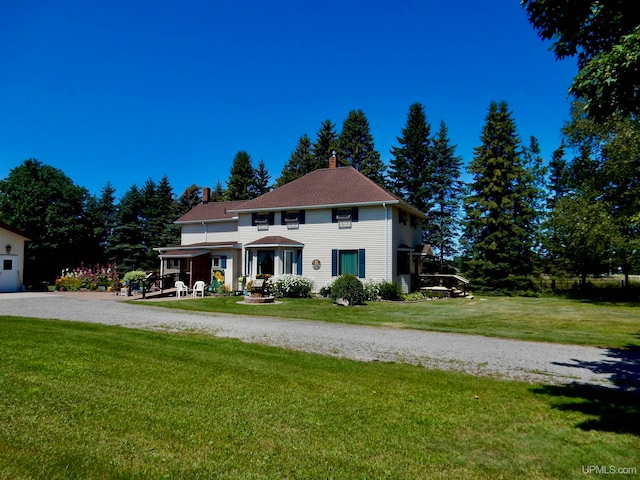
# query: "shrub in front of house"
348,288
292,286
135,275
389,291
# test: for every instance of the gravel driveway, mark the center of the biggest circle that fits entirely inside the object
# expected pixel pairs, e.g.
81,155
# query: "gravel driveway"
508,359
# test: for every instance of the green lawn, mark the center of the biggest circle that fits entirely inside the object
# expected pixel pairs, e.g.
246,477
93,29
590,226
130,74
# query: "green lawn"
540,319
84,401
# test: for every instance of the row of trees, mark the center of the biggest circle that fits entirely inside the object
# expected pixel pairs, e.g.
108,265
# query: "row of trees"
521,215
518,217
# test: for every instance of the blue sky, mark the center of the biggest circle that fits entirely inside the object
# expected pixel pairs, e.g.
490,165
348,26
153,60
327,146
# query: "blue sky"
130,90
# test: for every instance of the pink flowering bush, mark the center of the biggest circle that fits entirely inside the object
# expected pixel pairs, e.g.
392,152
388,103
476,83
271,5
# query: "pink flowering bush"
88,277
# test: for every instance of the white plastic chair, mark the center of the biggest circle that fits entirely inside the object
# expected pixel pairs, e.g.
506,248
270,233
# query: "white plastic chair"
181,289
198,289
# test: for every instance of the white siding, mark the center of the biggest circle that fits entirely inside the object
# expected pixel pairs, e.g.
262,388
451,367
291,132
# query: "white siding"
209,232
320,236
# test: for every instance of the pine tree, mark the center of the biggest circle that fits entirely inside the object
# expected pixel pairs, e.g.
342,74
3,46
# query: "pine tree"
442,226
218,194
262,177
189,199
241,179
126,245
557,185
101,220
410,168
499,251
299,164
326,143
356,147
161,212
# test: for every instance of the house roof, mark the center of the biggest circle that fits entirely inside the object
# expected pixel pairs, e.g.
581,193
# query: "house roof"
17,231
325,187
212,211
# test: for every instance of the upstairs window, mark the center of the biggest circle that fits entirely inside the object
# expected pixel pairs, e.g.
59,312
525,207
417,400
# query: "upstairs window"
344,217
262,220
292,219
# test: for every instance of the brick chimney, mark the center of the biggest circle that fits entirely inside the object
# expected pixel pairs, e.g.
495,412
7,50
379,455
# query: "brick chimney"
206,194
333,161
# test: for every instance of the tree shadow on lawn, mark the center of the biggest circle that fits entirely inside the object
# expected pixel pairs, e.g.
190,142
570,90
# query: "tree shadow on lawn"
616,408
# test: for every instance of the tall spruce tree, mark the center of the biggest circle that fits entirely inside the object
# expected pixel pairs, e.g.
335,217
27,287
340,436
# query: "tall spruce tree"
557,180
356,147
218,194
498,250
410,168
189,199
444,217
240,185
126,246
101,220
326,143
300,162
161,211
261,179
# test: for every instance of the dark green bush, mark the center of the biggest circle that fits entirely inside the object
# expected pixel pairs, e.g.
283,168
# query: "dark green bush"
389,291
349,288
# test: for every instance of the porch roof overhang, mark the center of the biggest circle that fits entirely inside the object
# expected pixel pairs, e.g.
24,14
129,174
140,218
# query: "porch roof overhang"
184,253
195,250
274,241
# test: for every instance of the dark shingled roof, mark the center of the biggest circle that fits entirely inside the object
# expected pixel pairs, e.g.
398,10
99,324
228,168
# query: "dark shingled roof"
341,186
325,186
211,211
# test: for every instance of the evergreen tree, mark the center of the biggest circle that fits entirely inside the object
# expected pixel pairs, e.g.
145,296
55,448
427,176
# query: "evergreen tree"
261,180
356,147
299,164
557,182
240,185
442,228
326,143
126,246
189,199
101,220
410,168
160,212
218,194
497,247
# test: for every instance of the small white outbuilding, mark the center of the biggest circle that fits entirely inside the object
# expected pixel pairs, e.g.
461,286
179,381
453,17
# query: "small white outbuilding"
12,253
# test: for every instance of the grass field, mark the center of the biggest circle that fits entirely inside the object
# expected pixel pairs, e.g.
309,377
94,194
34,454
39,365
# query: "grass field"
540,319
85,401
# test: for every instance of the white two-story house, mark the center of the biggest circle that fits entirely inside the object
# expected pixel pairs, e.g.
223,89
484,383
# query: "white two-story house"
327,223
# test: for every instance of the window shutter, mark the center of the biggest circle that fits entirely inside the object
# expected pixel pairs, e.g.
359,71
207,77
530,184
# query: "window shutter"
361,261
299,262
354,214
272,218
283,216
301,217
254,216
334,215
334,263
223,262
